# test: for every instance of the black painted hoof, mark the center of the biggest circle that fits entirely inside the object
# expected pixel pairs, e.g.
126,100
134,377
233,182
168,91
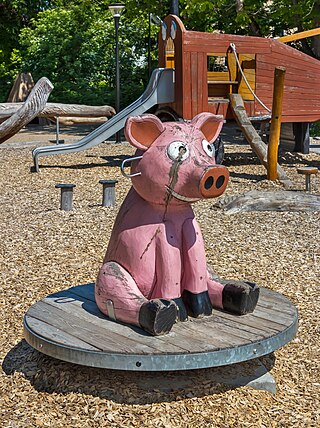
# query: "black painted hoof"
240,297
197,304
182,314
158,316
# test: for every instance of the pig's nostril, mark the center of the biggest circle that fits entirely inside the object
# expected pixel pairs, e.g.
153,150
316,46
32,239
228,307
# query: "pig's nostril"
208,183
220,181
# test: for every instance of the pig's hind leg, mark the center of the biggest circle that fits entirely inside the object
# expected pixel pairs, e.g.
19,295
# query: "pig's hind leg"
118,296
238,297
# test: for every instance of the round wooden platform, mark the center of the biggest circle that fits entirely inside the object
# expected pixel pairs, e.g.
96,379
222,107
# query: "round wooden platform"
69,326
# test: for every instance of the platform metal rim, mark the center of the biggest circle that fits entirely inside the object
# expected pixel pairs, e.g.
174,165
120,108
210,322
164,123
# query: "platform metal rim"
161,362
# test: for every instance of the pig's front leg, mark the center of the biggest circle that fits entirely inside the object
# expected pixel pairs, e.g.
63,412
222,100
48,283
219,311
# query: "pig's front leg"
118,296
194,281
168,271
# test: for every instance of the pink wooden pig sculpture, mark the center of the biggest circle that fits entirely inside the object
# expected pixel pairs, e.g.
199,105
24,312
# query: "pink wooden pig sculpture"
154,272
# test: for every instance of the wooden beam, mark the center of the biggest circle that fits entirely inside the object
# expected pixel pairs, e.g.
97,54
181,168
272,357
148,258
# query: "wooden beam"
253,138
52,109
272,156
299,36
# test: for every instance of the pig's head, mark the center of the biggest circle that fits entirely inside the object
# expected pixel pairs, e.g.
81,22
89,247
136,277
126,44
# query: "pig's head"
178,159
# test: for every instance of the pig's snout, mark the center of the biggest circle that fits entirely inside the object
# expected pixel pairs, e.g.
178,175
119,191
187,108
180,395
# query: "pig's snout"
214,181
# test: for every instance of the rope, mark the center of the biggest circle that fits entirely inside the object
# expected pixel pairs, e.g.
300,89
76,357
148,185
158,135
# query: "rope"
233,47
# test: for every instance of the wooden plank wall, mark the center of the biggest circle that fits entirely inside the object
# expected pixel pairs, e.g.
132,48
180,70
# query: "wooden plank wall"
301,101
195,87
196,47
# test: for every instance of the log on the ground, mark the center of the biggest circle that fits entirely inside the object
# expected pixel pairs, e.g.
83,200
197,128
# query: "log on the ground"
51,110
28,110
66,120
253,138
271,201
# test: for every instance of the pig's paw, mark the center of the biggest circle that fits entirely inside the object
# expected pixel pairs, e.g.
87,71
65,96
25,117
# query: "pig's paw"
197,304
158,316
182,314
240,297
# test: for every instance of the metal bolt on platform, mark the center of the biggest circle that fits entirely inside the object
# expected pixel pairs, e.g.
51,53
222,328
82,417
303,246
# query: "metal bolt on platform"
109,192
66,196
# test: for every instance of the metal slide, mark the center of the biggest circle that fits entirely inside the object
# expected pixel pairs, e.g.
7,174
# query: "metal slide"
160,90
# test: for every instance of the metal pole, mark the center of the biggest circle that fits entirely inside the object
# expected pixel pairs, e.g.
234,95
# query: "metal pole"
57,129
174,7
149,46
116,23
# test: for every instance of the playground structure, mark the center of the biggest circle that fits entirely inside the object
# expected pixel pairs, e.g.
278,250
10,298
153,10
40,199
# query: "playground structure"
211,66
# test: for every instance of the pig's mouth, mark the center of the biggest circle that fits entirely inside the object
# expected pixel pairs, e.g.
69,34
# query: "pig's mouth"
181,197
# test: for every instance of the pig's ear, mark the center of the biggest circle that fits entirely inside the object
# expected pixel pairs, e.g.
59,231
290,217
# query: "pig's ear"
209,124
142,131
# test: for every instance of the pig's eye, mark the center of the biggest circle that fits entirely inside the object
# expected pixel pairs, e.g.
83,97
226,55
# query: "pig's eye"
178,151
208,148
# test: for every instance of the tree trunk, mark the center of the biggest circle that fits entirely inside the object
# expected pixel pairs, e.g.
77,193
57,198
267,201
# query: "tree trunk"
315,41
52,109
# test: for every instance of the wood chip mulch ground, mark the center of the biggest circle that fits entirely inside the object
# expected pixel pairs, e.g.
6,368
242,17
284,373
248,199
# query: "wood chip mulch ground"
44,250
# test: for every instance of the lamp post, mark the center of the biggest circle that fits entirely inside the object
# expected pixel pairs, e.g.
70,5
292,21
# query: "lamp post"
174,7
116,10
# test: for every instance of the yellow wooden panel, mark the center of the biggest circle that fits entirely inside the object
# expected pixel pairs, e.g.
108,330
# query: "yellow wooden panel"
248,65
218,75
169,61
170,53
232,66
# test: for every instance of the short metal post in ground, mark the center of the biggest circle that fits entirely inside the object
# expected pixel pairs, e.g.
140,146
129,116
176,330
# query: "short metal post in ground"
66,196
57,140
109,192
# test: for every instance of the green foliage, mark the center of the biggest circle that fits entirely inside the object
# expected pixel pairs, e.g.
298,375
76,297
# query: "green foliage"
74,48
8,73
315,129
14,15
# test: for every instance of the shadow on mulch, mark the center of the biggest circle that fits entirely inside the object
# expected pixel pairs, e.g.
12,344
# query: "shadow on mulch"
285,158
49,375
252,177
111,161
